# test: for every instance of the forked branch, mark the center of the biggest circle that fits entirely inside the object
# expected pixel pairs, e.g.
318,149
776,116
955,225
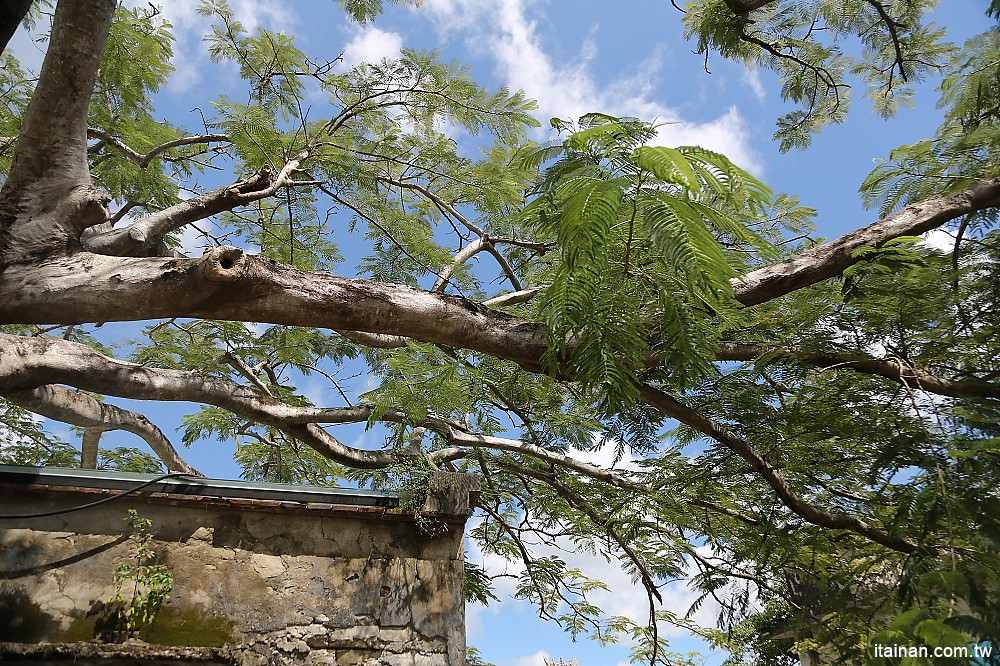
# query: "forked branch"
79,409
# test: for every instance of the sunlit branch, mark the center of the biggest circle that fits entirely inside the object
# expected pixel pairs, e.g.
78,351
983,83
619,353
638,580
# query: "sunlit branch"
78,408
143,160
830,259
144,234
512,298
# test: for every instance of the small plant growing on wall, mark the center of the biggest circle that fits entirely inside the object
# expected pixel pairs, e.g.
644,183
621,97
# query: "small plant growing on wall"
141,584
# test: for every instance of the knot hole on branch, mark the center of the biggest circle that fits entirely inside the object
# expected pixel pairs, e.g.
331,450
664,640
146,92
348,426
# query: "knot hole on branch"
222,264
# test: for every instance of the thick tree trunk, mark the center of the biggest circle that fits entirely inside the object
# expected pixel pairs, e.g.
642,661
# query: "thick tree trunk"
228,284
48,198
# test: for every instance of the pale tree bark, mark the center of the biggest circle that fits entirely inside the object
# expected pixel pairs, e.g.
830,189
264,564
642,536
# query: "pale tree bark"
48,198
228,284
79,409
145,236
830,259
30,368
90,447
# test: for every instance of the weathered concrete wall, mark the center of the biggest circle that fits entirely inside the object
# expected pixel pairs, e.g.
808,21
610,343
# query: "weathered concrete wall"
351,586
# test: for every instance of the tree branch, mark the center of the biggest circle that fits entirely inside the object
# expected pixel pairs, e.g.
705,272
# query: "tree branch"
437,201
746,6
892,369
143,160
48,199
599,521
28,364
90,447
467,252
80,409
893,27
830,259
376,340
227,284
512,298
772,476
140,238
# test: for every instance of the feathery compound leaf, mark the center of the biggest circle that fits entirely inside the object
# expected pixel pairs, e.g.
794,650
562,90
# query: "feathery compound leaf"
677,229
668,165
638,225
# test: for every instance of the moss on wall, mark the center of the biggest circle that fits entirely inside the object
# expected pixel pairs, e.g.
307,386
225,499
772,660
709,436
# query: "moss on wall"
82,629
190,627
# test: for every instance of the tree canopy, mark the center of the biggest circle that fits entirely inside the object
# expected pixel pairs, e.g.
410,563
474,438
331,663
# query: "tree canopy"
815,425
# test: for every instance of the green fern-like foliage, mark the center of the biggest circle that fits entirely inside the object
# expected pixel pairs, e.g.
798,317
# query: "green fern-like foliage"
966,146
804,43
644,234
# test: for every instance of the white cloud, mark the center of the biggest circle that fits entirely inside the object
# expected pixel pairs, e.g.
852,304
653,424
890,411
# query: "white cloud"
372,45
503,31
624,596
940,239
751,78
190,55
537,659
604,455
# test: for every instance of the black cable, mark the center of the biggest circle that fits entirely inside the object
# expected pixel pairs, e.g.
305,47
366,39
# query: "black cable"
103,500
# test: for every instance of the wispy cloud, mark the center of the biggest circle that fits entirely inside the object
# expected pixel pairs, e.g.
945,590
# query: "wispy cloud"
751,78
503,31
190,55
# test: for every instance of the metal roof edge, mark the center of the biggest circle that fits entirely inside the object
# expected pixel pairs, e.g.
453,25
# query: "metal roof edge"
199,486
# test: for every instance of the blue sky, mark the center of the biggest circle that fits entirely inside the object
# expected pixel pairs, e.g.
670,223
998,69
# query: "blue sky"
573,56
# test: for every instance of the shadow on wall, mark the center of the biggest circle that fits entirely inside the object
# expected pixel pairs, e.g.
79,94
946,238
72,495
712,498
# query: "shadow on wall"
37,569
21,619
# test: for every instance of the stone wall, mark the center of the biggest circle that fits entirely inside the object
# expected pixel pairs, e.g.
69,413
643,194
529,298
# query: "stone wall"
262,582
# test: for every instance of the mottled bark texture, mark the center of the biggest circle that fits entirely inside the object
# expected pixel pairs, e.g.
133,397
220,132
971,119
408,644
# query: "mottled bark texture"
48,198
